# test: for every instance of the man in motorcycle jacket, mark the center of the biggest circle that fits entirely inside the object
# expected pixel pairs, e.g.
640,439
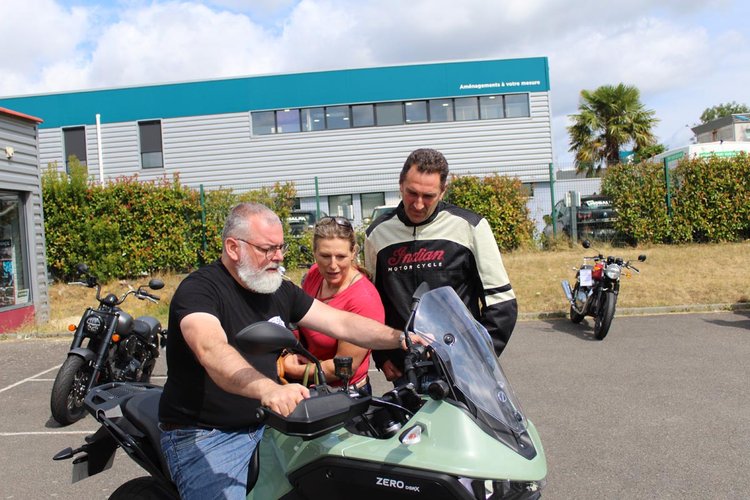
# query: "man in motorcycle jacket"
207,409
426,239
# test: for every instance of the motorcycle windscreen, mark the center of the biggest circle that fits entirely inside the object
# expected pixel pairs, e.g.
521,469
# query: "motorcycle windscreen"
466,349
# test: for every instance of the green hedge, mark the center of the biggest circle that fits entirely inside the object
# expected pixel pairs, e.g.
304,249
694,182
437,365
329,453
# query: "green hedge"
710,200
128,227
501,201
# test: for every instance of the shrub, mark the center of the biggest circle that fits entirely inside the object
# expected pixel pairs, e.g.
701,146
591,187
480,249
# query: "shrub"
501,201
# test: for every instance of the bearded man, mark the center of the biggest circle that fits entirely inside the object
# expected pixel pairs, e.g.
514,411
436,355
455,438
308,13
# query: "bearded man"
207,409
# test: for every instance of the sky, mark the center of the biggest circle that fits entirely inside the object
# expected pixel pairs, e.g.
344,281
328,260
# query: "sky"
683,55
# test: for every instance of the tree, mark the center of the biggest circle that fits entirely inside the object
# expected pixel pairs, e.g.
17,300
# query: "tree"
610,118
647,152
730,108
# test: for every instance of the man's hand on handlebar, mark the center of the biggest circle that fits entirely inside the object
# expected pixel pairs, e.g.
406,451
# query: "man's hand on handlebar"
283,399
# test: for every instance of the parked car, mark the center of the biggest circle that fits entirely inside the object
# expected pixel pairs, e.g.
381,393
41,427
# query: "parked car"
594,218
301,220
378,211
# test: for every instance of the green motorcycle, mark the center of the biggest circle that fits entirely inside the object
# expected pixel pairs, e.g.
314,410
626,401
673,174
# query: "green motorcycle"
454,430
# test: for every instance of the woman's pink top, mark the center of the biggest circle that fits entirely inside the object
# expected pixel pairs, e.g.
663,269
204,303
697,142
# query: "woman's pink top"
361,298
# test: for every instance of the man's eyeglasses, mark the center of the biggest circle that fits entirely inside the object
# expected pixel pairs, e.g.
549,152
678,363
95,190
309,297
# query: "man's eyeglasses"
269,252
341,221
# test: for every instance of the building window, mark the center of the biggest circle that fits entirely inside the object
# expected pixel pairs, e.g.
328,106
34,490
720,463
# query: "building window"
466,108
14,275
313,119
389,113
74,139
363,115
491,107
151,145
264,123
369,201
441,110
337,117
287,120
341,205
517,105
416,111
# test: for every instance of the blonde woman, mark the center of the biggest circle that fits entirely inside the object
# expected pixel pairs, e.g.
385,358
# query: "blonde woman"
336,280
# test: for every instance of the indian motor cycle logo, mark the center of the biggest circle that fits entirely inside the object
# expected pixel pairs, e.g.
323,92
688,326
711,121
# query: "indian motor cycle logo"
404,260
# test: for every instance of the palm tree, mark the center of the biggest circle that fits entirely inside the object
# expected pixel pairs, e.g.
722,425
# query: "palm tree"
610,117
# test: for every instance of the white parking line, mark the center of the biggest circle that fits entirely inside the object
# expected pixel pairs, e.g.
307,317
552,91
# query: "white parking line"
29,378
43,433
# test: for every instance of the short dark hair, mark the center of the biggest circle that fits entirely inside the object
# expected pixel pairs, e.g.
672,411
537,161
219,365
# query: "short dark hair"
427,161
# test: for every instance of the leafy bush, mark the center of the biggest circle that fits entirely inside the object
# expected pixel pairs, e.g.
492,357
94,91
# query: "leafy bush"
129,227
639,194
710,200
501,201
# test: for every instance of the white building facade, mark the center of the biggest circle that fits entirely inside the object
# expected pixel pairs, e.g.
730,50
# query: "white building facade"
340,136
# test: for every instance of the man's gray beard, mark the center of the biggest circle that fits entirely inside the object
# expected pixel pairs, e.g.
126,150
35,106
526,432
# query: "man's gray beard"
258,280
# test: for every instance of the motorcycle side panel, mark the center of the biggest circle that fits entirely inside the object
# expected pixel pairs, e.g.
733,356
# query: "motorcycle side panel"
451,444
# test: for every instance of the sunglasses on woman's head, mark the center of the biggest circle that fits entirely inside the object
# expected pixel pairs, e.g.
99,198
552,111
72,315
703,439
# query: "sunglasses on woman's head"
341,221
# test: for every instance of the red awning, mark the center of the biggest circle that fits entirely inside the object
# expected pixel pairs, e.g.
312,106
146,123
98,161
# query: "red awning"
30,118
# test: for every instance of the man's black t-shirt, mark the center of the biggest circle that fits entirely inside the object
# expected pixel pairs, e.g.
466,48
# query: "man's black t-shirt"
190,397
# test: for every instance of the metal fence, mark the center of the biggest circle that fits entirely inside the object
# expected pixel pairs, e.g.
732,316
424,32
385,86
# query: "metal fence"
322,193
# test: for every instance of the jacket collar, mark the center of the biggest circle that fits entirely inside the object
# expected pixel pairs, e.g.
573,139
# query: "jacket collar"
401,213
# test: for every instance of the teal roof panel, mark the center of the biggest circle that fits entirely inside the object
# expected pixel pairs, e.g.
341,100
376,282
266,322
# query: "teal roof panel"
299,90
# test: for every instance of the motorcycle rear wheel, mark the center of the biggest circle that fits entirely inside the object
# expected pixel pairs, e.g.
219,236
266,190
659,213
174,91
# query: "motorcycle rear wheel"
142,488
604,315
69,390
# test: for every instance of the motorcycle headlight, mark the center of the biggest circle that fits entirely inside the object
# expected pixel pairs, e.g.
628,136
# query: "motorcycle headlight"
93,325
613,271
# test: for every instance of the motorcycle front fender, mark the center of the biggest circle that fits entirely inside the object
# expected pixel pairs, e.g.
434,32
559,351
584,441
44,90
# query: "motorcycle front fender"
82,352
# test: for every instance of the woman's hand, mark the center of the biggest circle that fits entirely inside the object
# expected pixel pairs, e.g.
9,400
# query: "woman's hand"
294,366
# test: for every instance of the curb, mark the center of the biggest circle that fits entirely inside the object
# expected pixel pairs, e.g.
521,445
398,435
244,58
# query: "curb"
646,311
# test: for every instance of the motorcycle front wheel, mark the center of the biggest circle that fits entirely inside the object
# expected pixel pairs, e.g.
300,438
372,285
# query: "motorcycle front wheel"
69,389
604,315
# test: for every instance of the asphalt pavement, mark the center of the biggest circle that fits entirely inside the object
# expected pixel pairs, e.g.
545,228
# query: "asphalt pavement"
659,409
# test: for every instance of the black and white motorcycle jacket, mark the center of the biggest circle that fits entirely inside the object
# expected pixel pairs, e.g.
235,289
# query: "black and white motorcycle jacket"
454,247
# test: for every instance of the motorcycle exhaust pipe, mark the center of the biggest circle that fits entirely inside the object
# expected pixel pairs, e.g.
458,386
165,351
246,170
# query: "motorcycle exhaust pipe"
568,292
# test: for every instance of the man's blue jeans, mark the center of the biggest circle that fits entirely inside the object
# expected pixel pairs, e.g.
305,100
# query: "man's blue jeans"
210,463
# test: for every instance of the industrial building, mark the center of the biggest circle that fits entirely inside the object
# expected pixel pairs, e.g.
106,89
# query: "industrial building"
340,136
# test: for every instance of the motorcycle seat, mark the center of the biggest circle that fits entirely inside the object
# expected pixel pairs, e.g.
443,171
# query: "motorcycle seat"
142,410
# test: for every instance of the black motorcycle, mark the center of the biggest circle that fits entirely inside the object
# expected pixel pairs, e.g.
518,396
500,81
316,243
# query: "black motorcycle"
117,348
596,289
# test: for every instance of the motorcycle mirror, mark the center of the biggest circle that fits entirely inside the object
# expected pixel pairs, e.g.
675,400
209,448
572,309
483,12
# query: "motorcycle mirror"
156,284
586,244
264,337
421,290
641,257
